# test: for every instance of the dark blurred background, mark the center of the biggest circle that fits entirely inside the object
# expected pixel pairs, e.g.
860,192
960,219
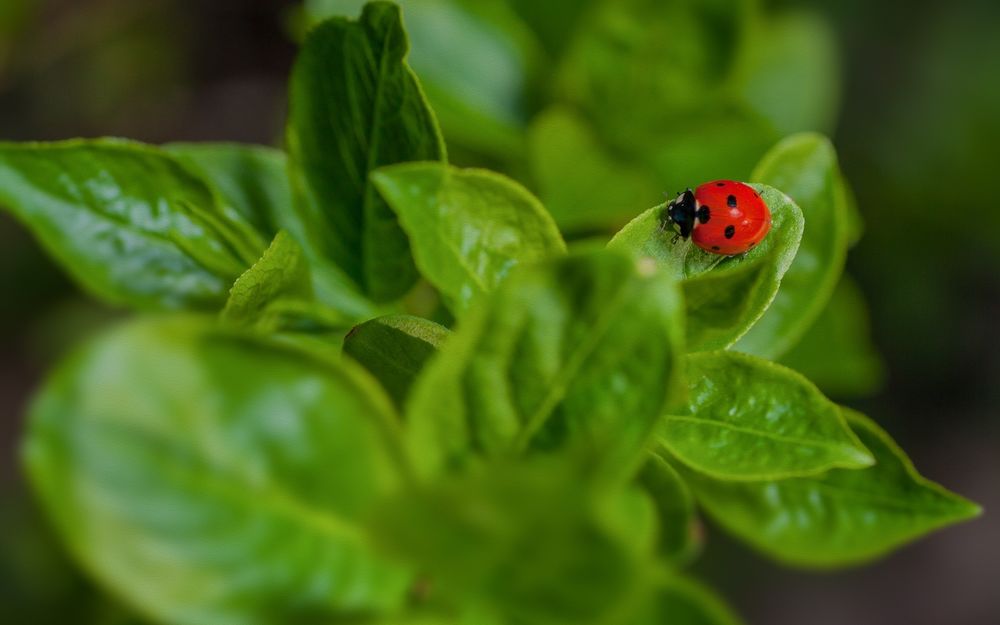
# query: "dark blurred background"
917,125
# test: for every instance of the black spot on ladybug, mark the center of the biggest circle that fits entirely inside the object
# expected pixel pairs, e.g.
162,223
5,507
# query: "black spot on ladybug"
704,214
730,231
720,184
716,248
731,201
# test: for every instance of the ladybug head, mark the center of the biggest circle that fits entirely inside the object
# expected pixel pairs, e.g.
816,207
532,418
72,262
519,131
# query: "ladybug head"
683,212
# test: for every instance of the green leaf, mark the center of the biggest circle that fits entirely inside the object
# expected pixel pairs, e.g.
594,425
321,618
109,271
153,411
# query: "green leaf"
480,96
836,352
468,227
354,106
636,64
791,74
128,222
254,181
725,295
532,541
395,349
585,187
232,470
805,167
553,21
251,179
839,518
750,419
281,273
683,601
679,535
578,353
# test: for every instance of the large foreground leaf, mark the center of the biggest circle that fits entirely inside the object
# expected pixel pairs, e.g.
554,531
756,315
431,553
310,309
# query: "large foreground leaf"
355,106
750,419
128,222
838,518
209,478
533,541
580,352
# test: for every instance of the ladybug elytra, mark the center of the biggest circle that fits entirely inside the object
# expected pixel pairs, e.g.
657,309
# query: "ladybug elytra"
721,217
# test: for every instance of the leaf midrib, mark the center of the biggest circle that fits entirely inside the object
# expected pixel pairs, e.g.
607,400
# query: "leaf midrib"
559,385
374,140
755,432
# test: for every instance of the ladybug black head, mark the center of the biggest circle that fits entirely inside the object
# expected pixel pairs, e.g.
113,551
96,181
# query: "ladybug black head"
682,211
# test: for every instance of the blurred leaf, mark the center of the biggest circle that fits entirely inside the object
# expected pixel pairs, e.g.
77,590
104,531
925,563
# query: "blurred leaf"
579,353
584,186
251,179
805,167
128,222
839,518
553,21
750,419
281,273
725,295
836,352
683,601
678,539
719,140
791,74
171,451
354,106
395,349
468,227
636,64
855,222
532,541
480,93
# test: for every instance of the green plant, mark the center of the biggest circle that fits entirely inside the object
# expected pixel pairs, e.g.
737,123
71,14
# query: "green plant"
514,432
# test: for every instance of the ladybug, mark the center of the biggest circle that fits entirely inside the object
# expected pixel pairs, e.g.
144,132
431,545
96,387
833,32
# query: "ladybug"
722,217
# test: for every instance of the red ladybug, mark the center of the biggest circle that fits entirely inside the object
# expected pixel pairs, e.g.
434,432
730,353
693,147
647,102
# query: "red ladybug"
721,217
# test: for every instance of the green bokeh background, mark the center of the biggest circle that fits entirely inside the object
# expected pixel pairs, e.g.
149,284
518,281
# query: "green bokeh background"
910,93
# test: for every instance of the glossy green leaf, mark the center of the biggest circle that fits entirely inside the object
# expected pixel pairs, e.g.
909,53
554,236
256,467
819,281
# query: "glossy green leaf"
839,518
585,187
836,352
281,273
355,105
579,352
805,167
395,349
791,74
468,227
679,535
532,541
128,222
252,179
480,96
750,419
725,295
677,600
232,471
